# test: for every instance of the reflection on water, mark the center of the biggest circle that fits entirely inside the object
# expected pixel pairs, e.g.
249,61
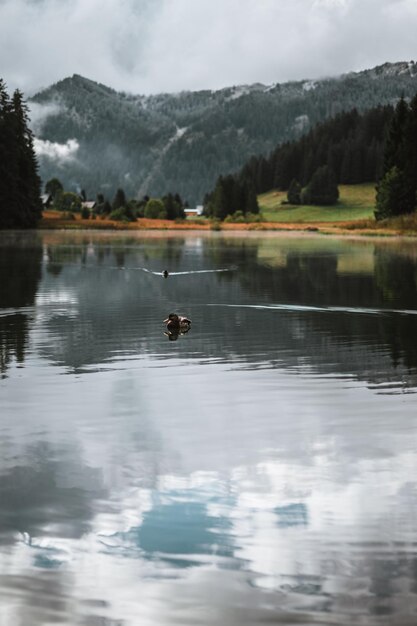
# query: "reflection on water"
20,272
261,469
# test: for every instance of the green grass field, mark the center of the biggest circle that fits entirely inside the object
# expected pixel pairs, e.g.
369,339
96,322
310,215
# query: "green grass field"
356,202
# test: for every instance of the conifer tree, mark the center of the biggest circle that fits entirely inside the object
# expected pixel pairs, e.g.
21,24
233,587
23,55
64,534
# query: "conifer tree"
252,205
410,166
20,185
220,204
294,192
396,191
8,161
322,188
119,199
391,196
173,206
394,149
28,181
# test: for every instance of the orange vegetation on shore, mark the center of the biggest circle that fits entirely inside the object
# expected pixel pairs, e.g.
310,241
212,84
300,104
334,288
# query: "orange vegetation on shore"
54,220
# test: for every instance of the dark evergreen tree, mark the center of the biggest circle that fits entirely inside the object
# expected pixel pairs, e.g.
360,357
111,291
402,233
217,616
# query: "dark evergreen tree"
173,206
251,205
119,199
220,203
8,162
322,188
20,185
391,197
230,195
29,182
394,147
410,166
294,192
397,189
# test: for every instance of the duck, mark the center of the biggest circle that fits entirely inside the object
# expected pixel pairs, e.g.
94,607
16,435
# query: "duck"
165,273
177,323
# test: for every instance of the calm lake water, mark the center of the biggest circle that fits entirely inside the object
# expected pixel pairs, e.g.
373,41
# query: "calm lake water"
260,469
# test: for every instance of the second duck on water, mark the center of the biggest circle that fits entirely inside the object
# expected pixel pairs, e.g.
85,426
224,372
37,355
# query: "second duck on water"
177,323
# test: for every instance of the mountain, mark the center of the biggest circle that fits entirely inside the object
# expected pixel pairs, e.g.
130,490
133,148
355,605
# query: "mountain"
95,138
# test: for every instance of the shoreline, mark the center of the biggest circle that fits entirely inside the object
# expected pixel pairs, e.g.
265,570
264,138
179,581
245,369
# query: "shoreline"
53,221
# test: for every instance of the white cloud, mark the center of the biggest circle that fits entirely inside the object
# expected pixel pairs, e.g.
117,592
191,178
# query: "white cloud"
60,152
40,112
147,46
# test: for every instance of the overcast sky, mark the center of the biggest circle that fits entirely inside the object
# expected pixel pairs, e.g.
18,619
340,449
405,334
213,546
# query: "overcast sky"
149,46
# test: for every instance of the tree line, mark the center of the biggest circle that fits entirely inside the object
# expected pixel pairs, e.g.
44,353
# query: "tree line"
20,184
348,148
379,145
170,206
231,197
351,145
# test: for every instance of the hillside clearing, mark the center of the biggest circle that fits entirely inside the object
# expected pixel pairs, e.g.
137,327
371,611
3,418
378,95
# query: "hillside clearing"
356,202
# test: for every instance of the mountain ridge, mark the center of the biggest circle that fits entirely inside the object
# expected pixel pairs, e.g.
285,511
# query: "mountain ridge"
183,141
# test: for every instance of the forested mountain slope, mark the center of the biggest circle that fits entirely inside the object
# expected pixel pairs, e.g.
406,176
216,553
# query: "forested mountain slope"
95,138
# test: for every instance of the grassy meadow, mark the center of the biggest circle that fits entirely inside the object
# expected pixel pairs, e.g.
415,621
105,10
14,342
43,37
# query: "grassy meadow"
356,202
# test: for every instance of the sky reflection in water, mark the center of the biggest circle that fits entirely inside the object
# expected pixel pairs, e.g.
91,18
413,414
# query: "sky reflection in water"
260,469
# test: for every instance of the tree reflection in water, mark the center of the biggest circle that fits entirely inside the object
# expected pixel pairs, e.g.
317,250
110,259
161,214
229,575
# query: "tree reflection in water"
20,274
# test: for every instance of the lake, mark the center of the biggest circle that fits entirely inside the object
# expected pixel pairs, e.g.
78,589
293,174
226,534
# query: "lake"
259,469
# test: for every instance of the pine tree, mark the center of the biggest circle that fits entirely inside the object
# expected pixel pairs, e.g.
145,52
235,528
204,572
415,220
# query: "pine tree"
220,200
173,206
119,200
394,149
391,197
20,185
294,192
396,191
322,188
410,166
29,182
8,162
252,205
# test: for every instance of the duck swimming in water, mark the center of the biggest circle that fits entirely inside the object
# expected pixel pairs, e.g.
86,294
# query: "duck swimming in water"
165,273
177,323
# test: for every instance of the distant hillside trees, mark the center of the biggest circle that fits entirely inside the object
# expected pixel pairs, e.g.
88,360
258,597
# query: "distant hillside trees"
348,148
397,188
20,185
350,144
